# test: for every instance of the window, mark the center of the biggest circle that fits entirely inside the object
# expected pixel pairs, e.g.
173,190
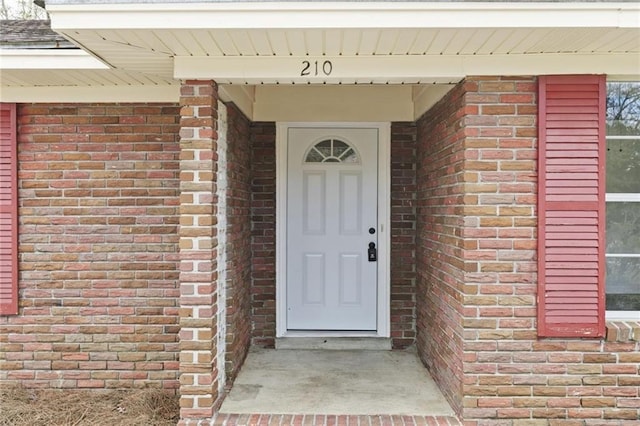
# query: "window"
331,151
623,197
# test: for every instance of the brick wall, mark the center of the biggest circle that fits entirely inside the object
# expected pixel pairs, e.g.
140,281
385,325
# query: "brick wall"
403,234
440,245
98,200
238,240
510,373
500,258
477,184
263,233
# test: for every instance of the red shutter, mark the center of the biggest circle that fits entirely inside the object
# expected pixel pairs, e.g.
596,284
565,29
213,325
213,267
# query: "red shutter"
571,206
8,211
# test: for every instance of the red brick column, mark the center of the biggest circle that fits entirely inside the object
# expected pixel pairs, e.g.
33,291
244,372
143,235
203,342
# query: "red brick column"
198,250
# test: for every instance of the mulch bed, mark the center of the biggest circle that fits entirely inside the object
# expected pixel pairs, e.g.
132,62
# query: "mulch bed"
32,407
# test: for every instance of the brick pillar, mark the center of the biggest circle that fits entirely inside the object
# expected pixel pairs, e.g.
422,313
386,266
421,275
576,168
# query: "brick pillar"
198,250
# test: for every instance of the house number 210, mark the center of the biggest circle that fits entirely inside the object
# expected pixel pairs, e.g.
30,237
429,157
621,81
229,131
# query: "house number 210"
315,68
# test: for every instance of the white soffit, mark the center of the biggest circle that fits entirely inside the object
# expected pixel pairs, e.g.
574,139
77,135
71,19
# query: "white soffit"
59,75
366,42
26,59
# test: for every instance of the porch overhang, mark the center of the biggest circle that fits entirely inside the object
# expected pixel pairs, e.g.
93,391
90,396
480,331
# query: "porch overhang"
431,44
72,75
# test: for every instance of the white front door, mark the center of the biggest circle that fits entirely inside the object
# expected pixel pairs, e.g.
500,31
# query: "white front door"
332,234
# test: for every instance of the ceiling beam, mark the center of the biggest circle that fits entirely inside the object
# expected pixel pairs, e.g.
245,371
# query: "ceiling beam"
394,69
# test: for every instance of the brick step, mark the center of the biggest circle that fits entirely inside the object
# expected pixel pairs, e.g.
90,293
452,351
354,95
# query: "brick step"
325,420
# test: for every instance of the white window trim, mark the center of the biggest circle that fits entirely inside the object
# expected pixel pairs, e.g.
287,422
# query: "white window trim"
623,316
623,197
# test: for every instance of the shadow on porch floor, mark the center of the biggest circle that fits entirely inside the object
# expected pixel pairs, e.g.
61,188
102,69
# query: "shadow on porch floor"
334,387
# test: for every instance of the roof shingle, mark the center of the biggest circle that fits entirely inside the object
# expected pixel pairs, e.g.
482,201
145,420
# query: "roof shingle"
31,34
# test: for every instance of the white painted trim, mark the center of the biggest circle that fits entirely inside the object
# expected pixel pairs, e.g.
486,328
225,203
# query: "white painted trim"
622,137
339,341
29,59
343,15
243,97
407,69
427,95
384,218
150,93
622,315
281,228
313,334
623,197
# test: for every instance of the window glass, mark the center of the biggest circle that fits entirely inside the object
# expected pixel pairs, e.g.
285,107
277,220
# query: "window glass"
623,165
623,228
623,196
331,151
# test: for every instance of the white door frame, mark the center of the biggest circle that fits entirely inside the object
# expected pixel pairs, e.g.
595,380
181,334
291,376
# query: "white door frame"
384,226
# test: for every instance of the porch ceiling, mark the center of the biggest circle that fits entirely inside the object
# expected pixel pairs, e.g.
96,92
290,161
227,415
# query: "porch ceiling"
367,42
139,51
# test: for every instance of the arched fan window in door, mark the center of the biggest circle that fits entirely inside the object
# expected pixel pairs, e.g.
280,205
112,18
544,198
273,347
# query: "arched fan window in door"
331,151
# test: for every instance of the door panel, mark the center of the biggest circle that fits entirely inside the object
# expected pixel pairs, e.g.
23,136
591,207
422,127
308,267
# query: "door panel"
350,203
350,279
314,208
314,279
332,202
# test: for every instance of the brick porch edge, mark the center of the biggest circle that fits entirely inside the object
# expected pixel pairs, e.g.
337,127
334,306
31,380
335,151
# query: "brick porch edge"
323,420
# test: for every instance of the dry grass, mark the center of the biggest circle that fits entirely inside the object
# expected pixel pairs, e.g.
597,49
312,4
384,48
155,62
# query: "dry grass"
148,407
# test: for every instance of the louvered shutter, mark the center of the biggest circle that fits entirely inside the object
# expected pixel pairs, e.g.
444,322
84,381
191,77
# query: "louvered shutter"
571,206
8,211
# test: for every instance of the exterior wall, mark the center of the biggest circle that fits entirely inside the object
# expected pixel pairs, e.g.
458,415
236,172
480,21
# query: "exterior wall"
509,372
483,212
108,280
238,241
440,246
98,200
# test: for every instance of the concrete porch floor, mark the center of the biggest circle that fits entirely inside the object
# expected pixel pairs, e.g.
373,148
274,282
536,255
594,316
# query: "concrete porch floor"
336,382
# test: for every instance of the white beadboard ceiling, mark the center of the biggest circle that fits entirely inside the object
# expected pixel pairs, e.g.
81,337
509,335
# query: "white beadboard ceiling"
153,51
